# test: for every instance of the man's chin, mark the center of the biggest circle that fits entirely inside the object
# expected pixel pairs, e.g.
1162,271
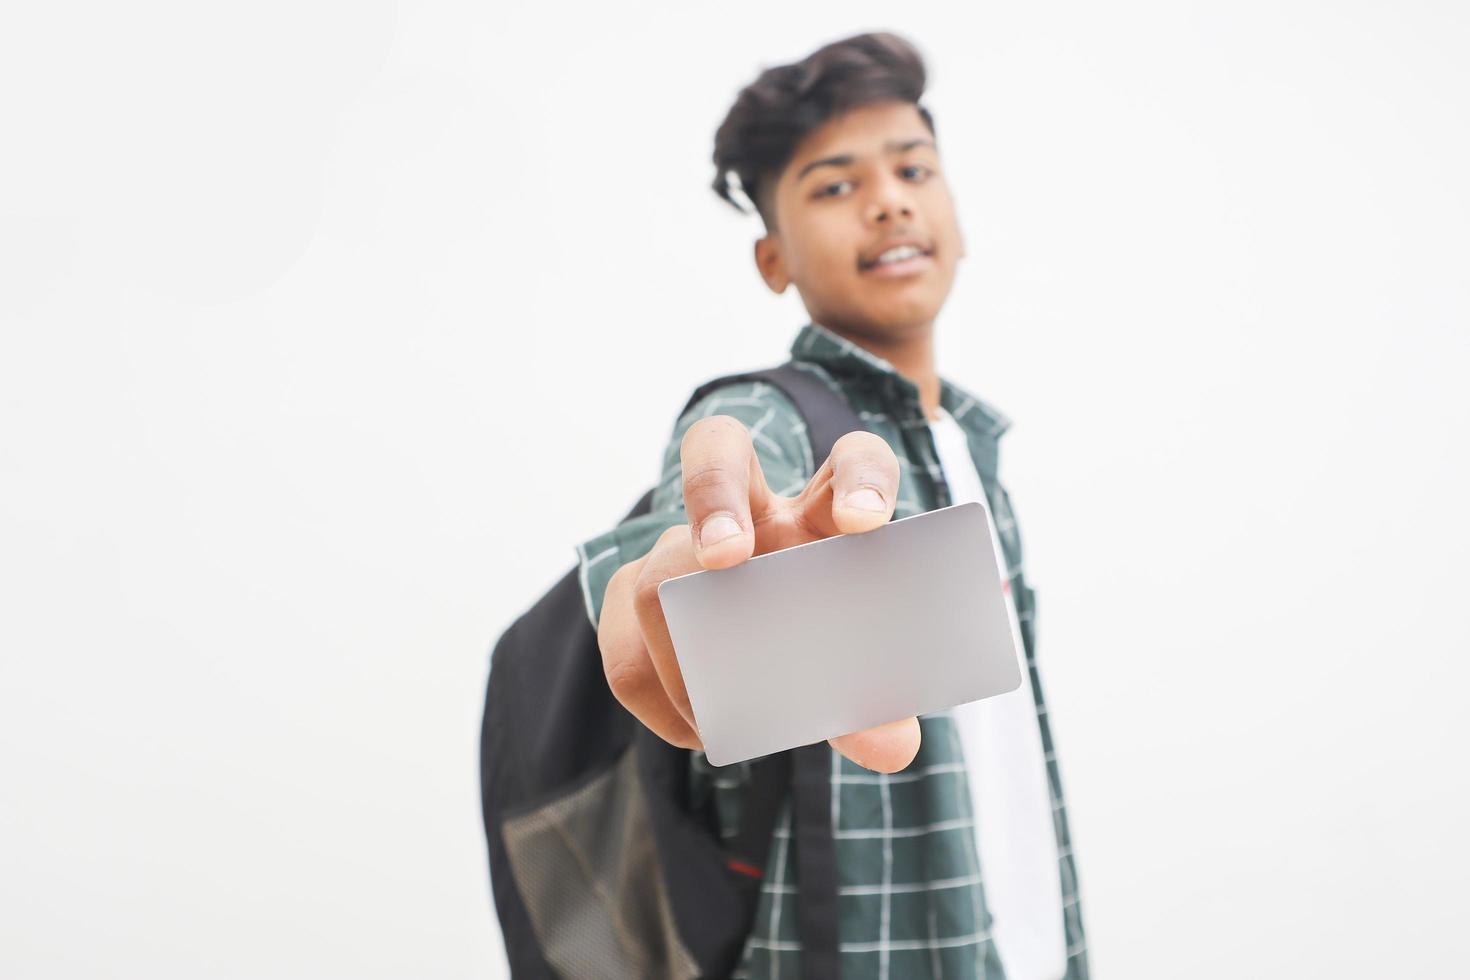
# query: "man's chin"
898,321
885,314
882,327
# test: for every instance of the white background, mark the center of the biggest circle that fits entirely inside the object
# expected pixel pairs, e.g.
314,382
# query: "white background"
329,329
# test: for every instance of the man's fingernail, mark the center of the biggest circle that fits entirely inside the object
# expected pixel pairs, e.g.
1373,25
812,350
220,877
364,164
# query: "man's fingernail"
716,529
865,498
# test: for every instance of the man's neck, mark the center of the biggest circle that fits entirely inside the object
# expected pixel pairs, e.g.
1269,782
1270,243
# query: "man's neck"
913,357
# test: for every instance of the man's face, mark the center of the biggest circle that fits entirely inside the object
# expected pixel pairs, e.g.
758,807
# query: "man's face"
863,181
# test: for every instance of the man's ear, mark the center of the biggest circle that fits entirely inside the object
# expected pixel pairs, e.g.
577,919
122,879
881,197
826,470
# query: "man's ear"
770,263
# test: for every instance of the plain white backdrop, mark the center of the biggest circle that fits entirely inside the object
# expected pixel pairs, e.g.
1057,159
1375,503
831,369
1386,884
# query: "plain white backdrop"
330,328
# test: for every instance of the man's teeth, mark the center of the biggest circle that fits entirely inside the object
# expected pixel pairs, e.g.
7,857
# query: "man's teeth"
897,254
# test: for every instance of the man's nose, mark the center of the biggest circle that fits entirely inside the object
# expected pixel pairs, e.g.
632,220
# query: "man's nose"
890,200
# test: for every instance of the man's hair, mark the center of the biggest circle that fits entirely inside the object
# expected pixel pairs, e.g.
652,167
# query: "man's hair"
772,114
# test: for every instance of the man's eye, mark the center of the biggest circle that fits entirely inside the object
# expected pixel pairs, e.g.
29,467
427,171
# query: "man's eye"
915,166
826,191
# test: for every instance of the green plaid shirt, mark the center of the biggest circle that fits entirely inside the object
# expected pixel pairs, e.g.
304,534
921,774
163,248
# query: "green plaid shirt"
911,891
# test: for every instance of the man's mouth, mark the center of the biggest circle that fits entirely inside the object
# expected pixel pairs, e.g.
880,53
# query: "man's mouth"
898,260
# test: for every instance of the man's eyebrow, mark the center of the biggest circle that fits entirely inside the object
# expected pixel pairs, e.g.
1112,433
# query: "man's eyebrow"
847,159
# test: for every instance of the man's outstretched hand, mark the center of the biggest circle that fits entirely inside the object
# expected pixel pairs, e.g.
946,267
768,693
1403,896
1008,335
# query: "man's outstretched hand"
733,516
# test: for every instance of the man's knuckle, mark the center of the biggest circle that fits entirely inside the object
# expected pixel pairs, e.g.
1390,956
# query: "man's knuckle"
710,480
866,460
645,595
619,579
627,678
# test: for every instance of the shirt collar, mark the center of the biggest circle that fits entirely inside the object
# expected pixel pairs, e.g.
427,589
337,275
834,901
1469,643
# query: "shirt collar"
844,359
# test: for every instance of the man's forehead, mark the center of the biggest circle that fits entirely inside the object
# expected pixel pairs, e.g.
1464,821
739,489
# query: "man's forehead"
865,132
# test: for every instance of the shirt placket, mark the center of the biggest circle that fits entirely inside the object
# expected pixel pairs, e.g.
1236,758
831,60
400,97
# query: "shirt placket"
918,439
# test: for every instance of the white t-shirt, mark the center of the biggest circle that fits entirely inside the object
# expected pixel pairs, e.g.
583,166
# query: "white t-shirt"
1008,783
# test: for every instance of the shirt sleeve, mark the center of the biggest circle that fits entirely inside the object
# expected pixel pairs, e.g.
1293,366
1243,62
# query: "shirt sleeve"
781,445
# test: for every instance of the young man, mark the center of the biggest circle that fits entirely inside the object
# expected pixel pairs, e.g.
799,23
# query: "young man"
953,853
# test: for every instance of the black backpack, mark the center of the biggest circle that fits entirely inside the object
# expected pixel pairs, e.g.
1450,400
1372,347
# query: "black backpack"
598,864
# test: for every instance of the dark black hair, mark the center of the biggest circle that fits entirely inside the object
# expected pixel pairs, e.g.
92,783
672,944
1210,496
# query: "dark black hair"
772,114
